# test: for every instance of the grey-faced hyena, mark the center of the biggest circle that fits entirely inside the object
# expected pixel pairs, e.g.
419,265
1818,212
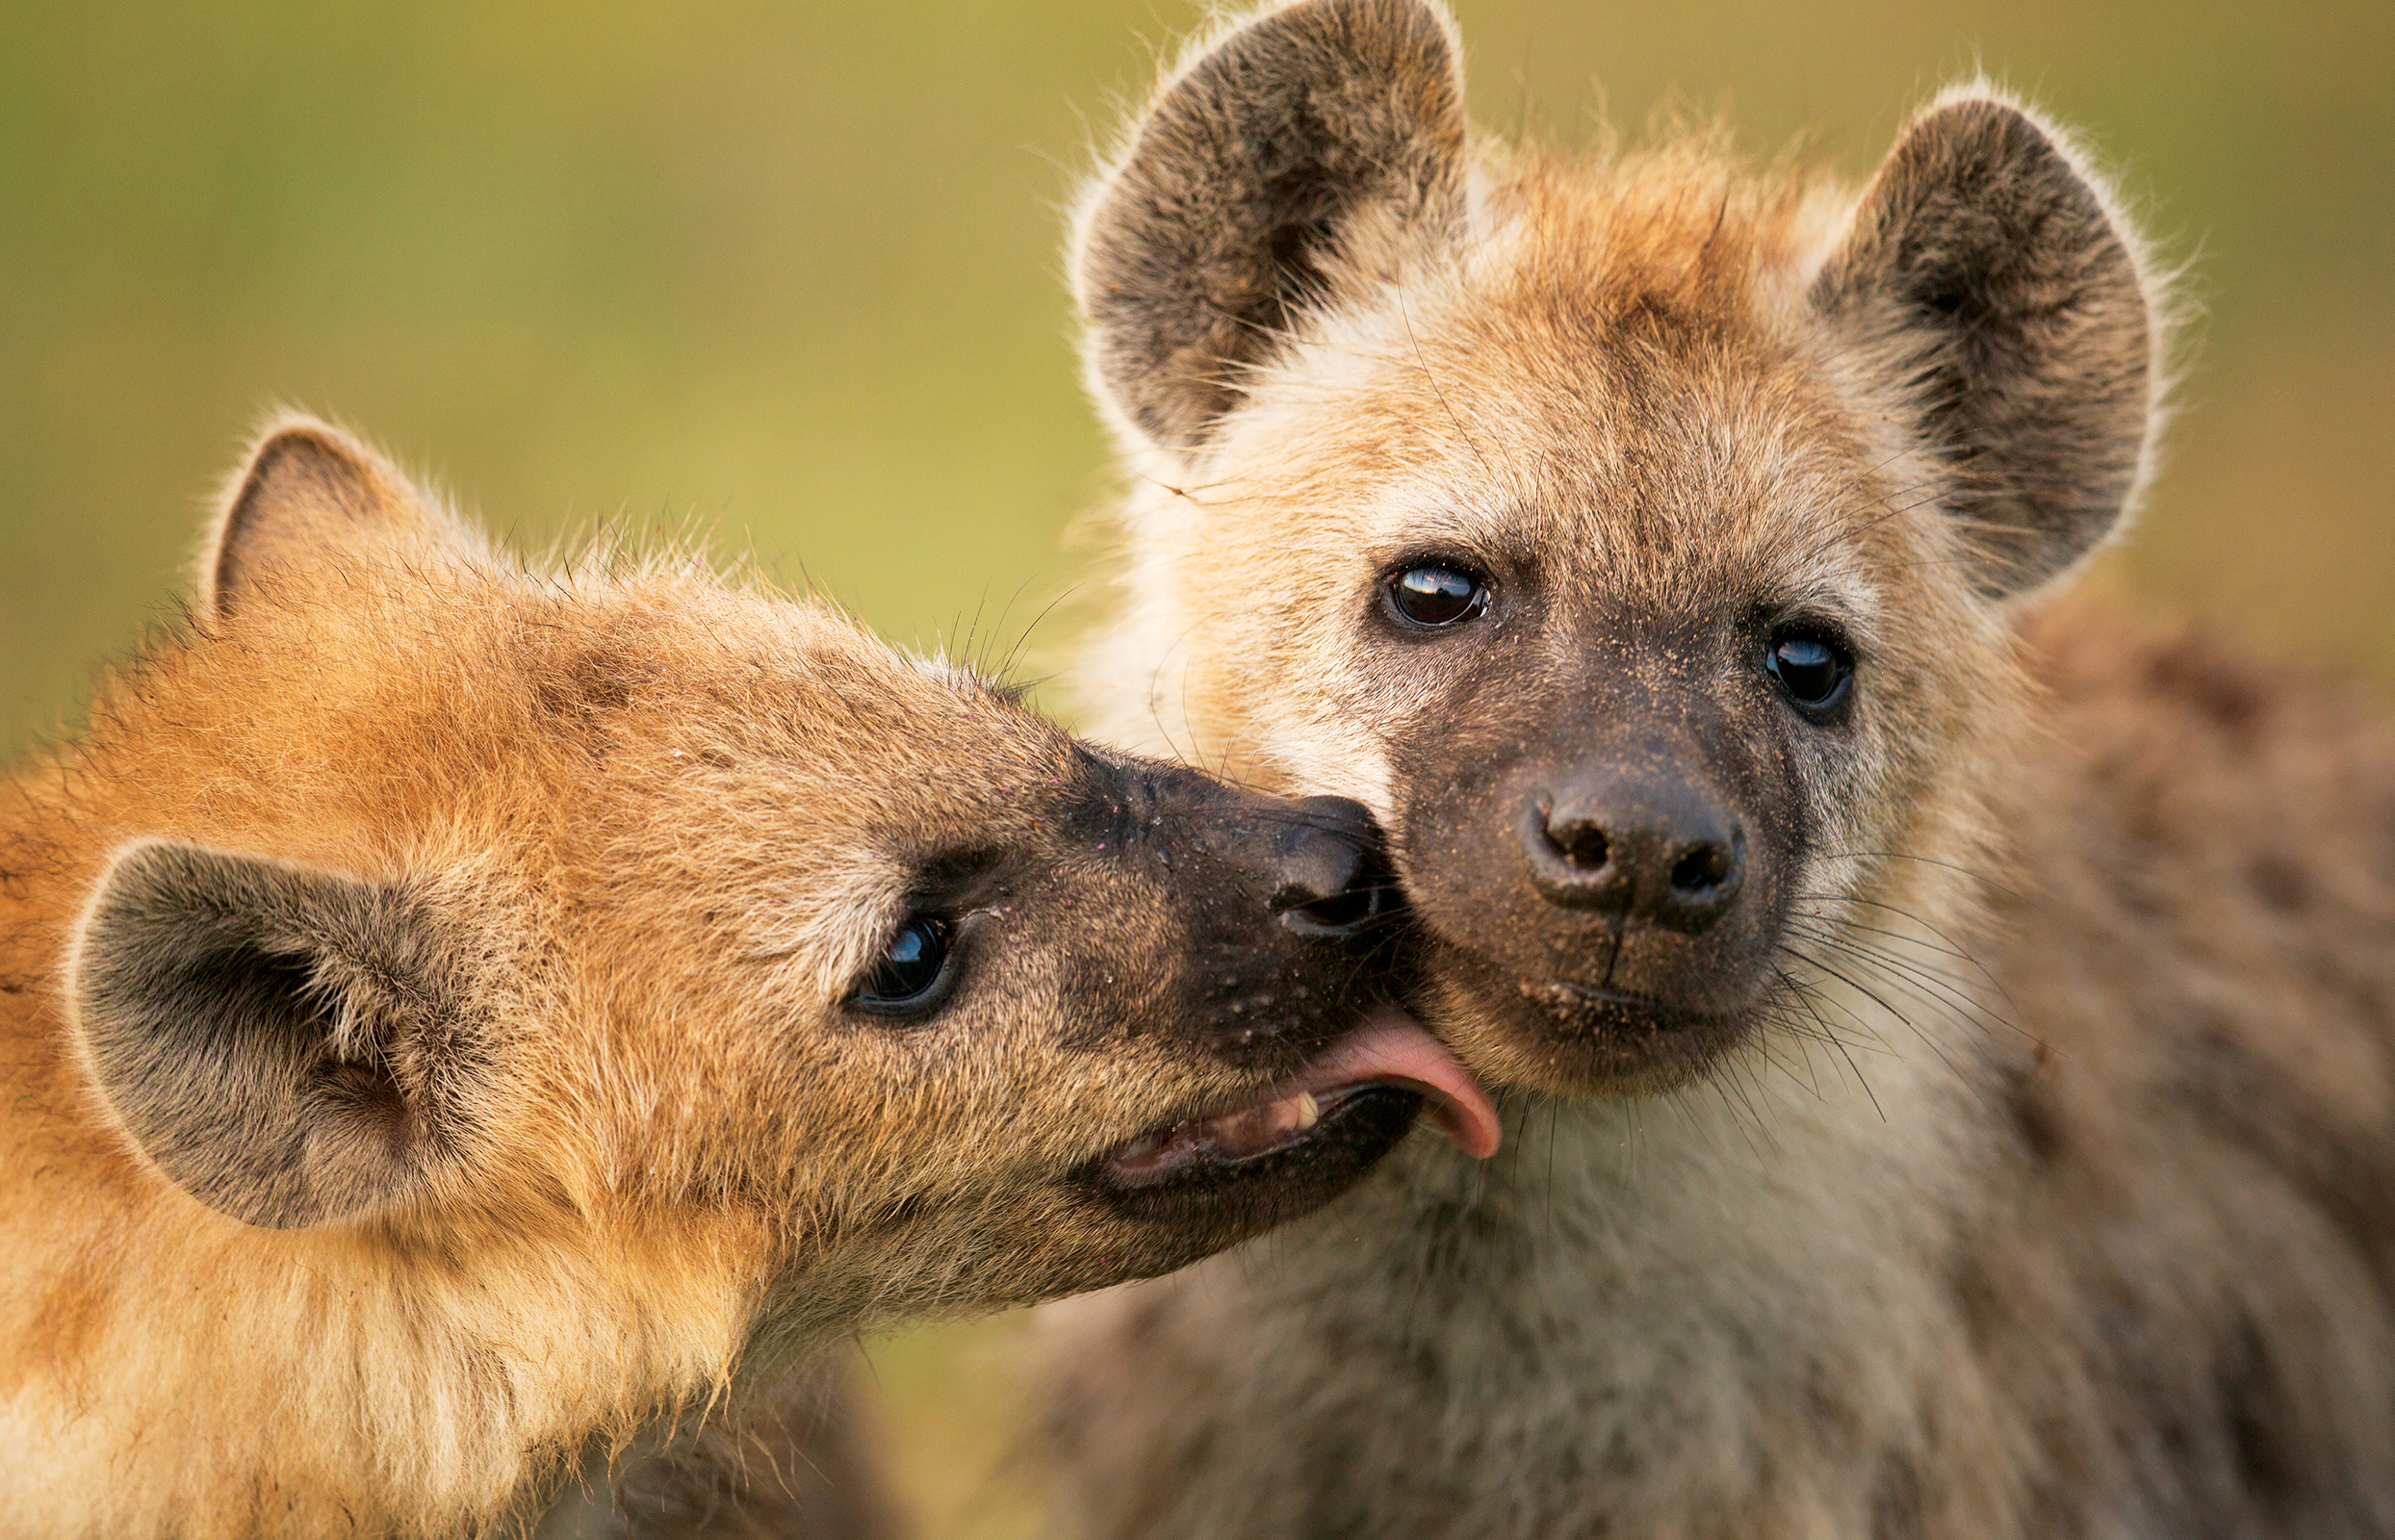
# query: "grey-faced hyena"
1949,1042
459,1023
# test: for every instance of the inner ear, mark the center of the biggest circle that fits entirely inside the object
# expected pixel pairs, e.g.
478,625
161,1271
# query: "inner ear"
1986,272
290,1045
1307,149
310,493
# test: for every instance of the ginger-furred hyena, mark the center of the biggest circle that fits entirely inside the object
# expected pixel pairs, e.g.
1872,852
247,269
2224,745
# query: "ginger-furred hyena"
467,1029
1948,1036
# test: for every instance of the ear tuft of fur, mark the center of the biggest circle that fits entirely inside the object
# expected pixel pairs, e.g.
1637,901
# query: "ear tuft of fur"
288,1045
308,492
1988,268
1303,150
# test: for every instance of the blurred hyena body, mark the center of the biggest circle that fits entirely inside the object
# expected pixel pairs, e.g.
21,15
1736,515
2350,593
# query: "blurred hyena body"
1951,1036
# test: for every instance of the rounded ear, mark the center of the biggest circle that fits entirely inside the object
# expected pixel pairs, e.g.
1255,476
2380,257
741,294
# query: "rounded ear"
1307,150
288,1045
309,492
1987,270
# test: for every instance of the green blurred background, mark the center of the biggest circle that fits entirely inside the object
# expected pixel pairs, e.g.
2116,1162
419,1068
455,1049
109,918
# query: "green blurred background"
789,271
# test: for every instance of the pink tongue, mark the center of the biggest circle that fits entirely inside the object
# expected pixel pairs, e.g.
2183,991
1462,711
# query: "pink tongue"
1391,1049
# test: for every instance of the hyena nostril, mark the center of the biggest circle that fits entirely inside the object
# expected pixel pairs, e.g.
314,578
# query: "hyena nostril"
1704,866
1582,843
1660,848
1704,882
1341,913
1574,836
1332,880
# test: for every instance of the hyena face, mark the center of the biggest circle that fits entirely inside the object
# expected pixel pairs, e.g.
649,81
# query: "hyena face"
452,901
1632,536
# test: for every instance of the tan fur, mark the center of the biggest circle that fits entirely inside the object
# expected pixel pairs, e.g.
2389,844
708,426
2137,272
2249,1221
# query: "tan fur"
2046,1193
598,850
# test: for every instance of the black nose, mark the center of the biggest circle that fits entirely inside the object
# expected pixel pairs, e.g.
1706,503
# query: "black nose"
1328,876
1654,848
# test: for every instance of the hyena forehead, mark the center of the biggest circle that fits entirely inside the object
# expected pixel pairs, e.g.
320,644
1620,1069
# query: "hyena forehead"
1296,235
1618,381
574,718
862,772
1720,484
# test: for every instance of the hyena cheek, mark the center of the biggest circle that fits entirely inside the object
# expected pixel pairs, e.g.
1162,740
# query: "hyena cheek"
1340,762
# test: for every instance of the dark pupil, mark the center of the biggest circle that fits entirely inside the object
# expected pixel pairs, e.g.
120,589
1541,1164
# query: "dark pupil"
912,961
1436,596
1807,666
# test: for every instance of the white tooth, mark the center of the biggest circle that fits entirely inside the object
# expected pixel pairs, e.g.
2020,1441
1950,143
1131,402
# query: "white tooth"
1309,1111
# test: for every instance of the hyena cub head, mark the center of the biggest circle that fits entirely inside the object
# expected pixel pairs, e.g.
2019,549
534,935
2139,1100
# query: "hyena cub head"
620,908
1635,534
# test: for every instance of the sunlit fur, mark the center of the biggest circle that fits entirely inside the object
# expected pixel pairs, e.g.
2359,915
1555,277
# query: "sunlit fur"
662,820
2049,1196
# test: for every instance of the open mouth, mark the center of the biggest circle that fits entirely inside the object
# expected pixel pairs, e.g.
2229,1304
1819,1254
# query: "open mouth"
1384,1074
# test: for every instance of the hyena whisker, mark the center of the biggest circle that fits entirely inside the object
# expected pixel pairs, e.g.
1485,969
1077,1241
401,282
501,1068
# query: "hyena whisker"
1812,1026
1866,1035
1918,986
972,632
1547,1197
1955,947
1821,926
1804,998
1188,492
1844,937
1864,989
1406,314
1728,1084
1952,948
1933,947
1809,1081
1013,656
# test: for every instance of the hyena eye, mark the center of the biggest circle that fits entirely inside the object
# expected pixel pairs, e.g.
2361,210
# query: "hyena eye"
1436,596
1813,670
911,976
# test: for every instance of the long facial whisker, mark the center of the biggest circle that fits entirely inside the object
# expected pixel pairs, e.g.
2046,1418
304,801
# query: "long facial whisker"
1865,990
1908,941
1808,1080
1884,949
1804,998
1899,977
1951,947
1954,947
1867,1034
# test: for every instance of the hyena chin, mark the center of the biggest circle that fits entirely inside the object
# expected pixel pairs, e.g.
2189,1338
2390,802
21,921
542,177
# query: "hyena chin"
1948,1036
470,1035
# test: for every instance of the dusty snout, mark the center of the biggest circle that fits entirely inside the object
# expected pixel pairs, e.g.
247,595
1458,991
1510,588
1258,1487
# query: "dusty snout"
1609,898
1282,922
1294,948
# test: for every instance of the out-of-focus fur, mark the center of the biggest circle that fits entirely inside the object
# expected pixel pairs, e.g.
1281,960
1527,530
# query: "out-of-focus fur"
2048,1193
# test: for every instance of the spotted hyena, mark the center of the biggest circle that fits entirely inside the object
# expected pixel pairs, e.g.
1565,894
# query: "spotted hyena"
462,1026
1948,1036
